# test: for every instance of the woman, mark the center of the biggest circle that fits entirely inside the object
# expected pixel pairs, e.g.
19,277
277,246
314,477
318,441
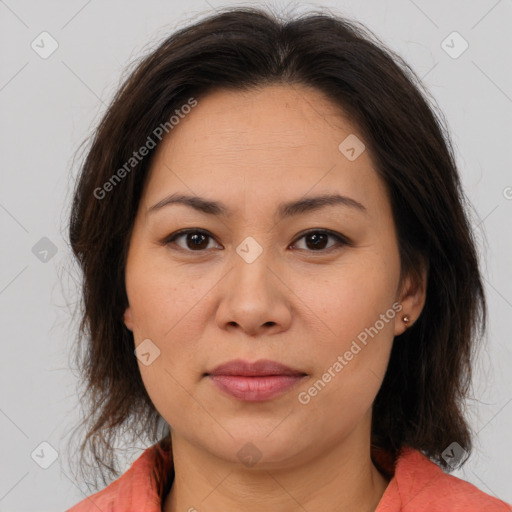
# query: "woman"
279,272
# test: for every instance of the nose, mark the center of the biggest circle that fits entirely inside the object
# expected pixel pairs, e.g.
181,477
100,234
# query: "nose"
254,298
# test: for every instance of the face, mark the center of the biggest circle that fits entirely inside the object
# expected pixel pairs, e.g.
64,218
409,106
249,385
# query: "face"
315,288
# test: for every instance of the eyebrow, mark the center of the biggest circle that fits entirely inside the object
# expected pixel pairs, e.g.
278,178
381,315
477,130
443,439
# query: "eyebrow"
284,210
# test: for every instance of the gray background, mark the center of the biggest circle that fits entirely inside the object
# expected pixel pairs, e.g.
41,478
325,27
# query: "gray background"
48,106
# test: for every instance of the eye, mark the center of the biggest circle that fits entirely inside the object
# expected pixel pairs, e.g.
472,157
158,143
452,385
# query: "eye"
316,240
195,239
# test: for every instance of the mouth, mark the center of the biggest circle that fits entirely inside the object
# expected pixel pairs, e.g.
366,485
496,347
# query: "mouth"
254,382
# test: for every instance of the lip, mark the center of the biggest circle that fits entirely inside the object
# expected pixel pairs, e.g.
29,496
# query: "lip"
254,382
260,368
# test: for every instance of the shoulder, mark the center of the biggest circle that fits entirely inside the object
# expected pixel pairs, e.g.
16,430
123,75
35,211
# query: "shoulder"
103,500
135,487
421,485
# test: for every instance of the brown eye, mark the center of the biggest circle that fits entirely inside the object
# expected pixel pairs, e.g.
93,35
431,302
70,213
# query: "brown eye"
194,240
317,240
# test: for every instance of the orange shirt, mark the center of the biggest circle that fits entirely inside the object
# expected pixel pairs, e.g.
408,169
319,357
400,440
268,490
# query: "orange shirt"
417,485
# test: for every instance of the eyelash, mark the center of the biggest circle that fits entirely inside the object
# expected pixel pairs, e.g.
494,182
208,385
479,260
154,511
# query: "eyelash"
341,239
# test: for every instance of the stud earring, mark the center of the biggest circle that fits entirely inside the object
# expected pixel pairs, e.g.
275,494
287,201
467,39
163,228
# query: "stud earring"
406,320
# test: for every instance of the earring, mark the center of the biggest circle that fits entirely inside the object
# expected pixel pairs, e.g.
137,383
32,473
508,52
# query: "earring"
406,320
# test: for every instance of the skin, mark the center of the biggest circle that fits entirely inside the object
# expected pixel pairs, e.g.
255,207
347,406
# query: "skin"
295,304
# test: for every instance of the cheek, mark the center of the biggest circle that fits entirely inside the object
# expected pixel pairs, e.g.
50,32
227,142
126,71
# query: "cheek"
163,299
169,307
352,297
354,329
168,310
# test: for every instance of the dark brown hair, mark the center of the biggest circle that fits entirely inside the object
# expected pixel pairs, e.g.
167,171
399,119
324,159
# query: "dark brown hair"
420,403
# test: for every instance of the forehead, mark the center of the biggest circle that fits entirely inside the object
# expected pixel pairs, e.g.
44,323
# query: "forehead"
277,117
277,141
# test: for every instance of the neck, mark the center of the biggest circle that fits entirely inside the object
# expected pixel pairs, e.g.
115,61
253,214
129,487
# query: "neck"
343,477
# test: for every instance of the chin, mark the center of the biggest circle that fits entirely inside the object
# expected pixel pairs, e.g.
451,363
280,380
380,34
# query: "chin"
258,450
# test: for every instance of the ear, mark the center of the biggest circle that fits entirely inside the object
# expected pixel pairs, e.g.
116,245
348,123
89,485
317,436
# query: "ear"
412,297
128,319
